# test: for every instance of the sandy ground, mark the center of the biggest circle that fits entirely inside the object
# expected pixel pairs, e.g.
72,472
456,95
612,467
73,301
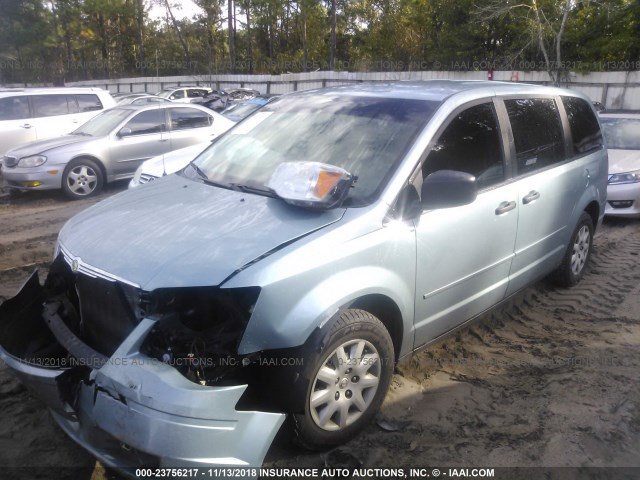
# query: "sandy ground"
552,379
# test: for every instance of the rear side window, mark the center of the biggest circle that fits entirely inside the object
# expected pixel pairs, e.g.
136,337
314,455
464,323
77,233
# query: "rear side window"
49,105
185,118
195,93
14,108
537,133
585,131
151,121
470,143
88,103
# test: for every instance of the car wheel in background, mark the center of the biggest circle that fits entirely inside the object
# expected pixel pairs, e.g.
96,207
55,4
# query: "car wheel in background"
82,178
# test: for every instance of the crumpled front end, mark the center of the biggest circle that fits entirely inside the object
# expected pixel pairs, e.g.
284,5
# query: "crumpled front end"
122,390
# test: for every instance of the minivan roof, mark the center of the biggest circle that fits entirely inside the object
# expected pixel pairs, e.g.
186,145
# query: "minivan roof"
435,90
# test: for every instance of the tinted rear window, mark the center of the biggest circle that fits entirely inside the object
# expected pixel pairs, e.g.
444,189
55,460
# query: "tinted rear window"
185,118
585,131
14,108
49,105
88,102
537,133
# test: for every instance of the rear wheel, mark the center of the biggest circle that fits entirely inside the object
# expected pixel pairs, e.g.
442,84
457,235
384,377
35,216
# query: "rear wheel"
576,258
347,381
82,178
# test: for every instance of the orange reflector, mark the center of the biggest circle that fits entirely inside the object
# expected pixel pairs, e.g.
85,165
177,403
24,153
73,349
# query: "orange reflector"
326,181
52,172
32,184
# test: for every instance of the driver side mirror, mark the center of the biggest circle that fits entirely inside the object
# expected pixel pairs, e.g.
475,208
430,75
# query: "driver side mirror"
447,189
124,132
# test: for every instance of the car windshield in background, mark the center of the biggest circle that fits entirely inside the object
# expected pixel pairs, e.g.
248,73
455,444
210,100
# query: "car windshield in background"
103,124
622,133
367,136
242,109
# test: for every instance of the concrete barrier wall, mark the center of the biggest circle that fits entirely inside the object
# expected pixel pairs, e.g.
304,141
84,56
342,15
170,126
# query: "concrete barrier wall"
619,90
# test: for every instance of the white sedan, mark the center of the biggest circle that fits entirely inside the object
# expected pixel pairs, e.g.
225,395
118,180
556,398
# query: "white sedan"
622,132
166,164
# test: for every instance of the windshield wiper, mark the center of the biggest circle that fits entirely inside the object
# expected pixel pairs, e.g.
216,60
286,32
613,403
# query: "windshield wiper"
199,171
84,134
205,178
249,189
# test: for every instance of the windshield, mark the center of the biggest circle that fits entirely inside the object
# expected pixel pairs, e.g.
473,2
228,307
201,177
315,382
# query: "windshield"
622,133
103,123
367,136
165,93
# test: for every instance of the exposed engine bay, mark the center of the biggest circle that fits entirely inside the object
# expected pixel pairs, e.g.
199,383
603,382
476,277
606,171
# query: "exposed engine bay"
197,330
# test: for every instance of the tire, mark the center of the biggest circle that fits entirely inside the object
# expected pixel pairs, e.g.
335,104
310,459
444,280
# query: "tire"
346,380
576,258
82,178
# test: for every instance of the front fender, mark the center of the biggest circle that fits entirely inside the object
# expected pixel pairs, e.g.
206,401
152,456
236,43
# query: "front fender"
277,324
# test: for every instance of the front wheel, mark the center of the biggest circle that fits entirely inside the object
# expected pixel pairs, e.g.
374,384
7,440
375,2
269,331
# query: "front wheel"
82,178
347,381
576,258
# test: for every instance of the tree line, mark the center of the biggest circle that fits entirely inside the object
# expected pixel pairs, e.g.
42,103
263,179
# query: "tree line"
66,40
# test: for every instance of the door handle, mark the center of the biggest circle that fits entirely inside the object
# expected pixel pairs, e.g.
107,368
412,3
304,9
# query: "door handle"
505,207
163,140
530,197
26,125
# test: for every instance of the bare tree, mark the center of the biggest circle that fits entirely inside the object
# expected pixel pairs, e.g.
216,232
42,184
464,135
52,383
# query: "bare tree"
178,32
332,52
140,19
231,23
546,21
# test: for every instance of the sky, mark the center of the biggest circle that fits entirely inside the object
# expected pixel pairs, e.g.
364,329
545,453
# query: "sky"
186,9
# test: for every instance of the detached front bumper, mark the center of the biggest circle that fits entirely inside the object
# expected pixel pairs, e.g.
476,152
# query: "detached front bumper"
132,410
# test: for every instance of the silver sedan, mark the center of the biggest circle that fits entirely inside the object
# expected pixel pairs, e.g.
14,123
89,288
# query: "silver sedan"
109,147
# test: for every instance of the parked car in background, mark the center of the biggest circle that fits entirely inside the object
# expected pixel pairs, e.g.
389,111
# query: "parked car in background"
166,164
174,161
122,95
238,94
240,110
215,100
184,94
220,100
109,147
141,99
303,254
31,114
622,132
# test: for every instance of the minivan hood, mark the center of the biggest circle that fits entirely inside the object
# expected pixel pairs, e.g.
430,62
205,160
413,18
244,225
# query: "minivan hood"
41,146
176,232
623,161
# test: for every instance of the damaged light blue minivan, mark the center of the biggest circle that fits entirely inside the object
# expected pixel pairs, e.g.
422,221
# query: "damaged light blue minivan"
295,261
